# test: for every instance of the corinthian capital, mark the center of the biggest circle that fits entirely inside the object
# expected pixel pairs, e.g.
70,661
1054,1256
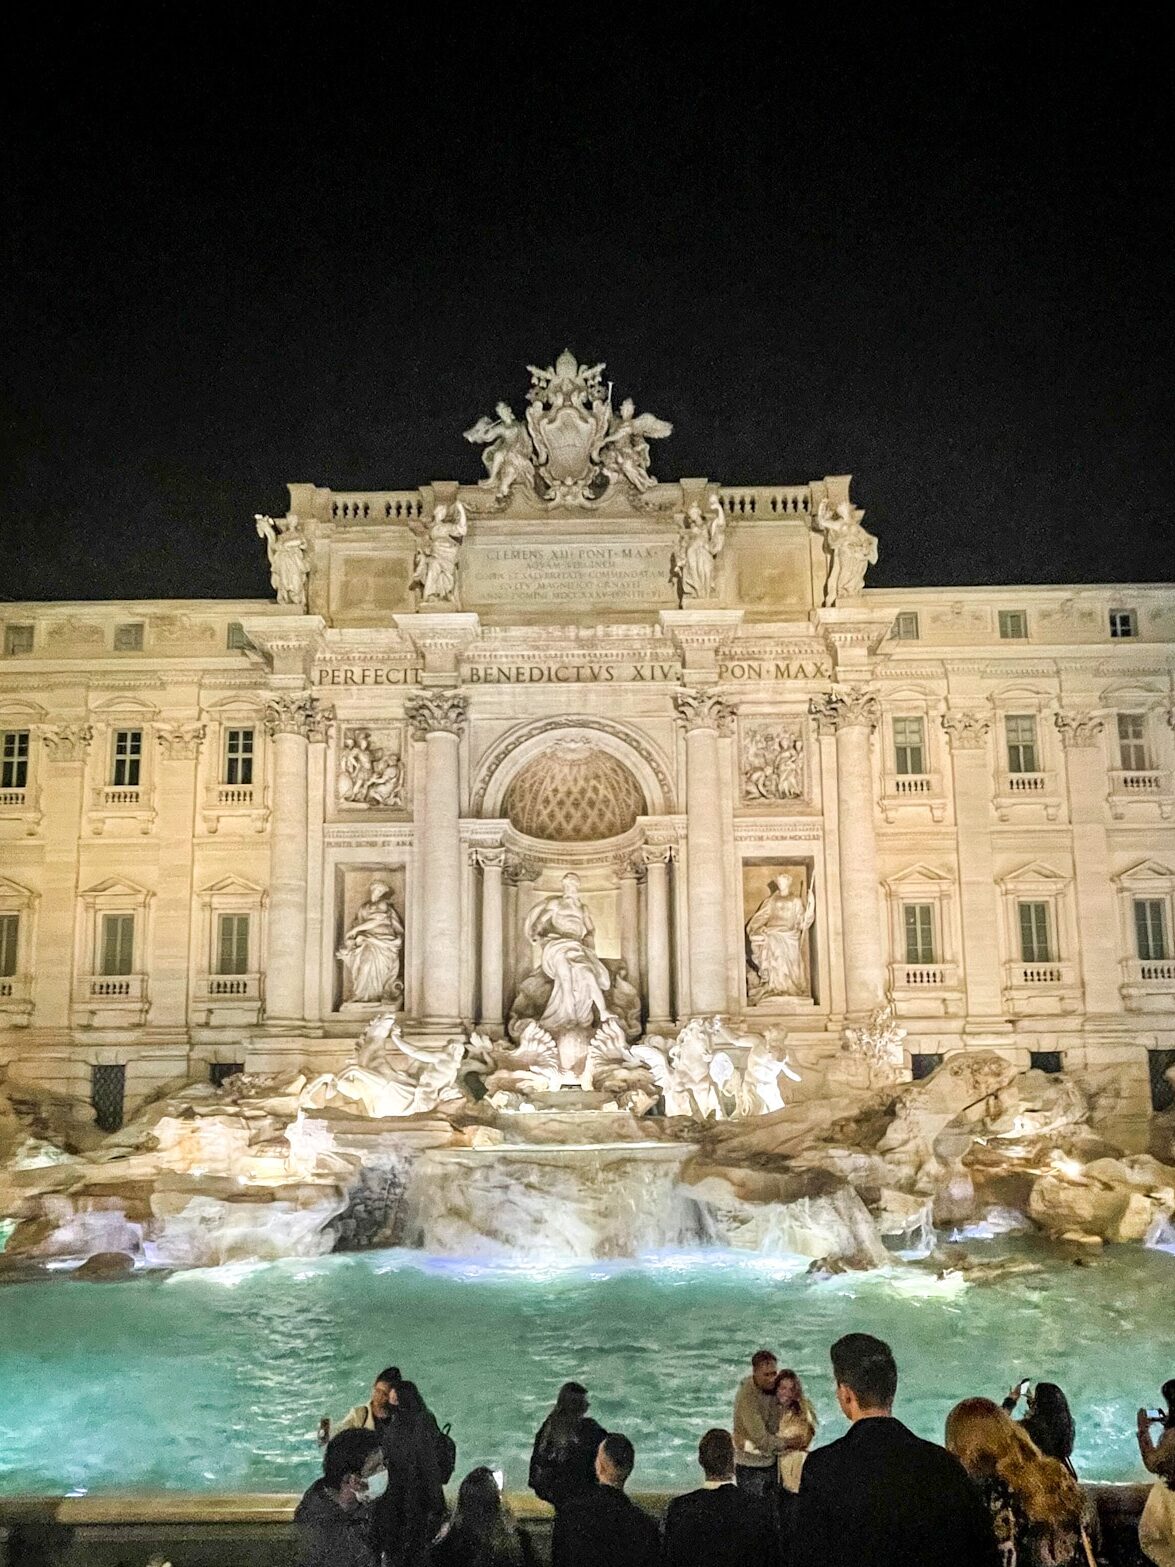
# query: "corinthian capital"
848,707
966,731
68,742
1078,730
430,712
297,713
704,710
179,742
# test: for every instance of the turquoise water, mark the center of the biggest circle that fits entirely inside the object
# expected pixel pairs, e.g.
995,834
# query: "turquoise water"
216,1379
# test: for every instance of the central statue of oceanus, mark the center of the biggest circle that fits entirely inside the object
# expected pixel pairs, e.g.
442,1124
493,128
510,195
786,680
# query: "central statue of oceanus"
572,449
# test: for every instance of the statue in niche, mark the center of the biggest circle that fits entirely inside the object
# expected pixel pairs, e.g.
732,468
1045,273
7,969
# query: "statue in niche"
773,764
434,570
566,933
369,774
372,948
700,537
775,937
288,566
508,455
850,547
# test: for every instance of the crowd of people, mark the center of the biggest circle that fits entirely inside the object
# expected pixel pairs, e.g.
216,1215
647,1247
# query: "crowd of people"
999,1492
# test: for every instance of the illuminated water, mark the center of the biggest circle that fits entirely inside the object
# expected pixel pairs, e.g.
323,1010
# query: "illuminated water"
215,1380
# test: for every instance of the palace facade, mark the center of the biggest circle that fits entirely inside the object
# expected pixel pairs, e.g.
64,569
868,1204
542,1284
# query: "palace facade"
230,832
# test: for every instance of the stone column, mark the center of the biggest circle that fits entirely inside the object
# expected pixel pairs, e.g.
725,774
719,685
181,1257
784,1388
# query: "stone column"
66,748
656,857
1097,916
978,903
705,715
492,956
290,718
179,749
852,713
438,717
630,919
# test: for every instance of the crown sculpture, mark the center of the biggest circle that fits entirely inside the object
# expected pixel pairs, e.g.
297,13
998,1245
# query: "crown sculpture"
572,449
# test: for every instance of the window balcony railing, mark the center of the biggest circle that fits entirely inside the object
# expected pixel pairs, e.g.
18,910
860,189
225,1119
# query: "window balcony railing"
1046,974
229,795
13,798
924,976
228,987
239,801
118,797
1016,789
1153,973
131,988
1151,785
903,789
16,990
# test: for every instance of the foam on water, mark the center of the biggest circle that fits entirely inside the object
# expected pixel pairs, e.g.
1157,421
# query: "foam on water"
215,1378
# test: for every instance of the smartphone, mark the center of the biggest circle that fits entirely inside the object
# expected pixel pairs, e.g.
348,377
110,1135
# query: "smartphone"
1155,1415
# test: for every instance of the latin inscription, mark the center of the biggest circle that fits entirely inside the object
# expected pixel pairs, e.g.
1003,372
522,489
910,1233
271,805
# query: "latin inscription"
574,574
566,674
366,675
771,669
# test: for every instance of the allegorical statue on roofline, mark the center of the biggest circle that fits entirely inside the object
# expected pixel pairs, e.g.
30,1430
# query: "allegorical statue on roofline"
572,449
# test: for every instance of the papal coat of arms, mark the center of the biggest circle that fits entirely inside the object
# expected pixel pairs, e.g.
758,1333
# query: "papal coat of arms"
572,449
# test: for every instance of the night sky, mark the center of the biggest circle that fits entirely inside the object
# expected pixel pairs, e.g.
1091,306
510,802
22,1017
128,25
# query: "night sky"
931,250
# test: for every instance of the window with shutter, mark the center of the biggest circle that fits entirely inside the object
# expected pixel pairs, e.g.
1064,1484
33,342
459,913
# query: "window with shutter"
118,944
1150,930
919,928
1035,937
1020,729
232,946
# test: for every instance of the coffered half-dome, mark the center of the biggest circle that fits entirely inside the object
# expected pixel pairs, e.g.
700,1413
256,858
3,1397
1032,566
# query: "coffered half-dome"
573,792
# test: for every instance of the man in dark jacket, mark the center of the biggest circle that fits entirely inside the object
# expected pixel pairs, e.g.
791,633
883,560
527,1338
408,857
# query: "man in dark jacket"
880,1494
332,1519
602,1527
719,1525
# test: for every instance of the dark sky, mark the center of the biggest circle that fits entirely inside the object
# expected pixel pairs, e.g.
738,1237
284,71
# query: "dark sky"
933,250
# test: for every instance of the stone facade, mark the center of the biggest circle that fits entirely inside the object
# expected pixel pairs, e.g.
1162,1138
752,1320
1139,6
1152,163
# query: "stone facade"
960,799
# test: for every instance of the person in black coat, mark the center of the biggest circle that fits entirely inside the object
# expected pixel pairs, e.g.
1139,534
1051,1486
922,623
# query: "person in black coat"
563,1463
602,1527
719,1525
880,1494
412,1508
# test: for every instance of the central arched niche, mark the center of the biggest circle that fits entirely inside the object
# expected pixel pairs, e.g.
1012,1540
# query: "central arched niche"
573,792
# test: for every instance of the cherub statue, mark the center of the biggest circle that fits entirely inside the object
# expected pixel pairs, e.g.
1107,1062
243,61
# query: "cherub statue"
624,451
508,455
851,548
286,547
759,1092
688,1071
434,570
699,543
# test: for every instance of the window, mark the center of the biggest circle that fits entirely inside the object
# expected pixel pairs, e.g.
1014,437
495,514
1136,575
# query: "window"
238,756
1021,732
1036,944
909,745
14,759
107,1095
1150,930
128,638
117,955
1045,1061
9,936
232,944
905,627
918,922
1013,625
1123,623
18,639
923,1063
128,758
1132,751
235,637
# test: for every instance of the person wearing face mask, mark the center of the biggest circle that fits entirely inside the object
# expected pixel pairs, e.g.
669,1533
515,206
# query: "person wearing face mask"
333,1519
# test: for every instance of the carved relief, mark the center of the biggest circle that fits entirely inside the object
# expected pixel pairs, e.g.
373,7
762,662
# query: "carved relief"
75,633
181,630
179,742
772,762
966,731
430,711
68,742
704,710
371,769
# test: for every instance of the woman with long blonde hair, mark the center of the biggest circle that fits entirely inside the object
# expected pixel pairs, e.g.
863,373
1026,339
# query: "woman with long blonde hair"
1035,1503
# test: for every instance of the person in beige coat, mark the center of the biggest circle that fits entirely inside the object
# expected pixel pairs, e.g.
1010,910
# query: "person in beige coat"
757,1446
371,1416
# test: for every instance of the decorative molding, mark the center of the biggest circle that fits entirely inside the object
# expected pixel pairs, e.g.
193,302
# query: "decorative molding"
657,854
488,858
437,712
1079,730
966,731
297,713
516,869
704,710
68,742
179,742
845,707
